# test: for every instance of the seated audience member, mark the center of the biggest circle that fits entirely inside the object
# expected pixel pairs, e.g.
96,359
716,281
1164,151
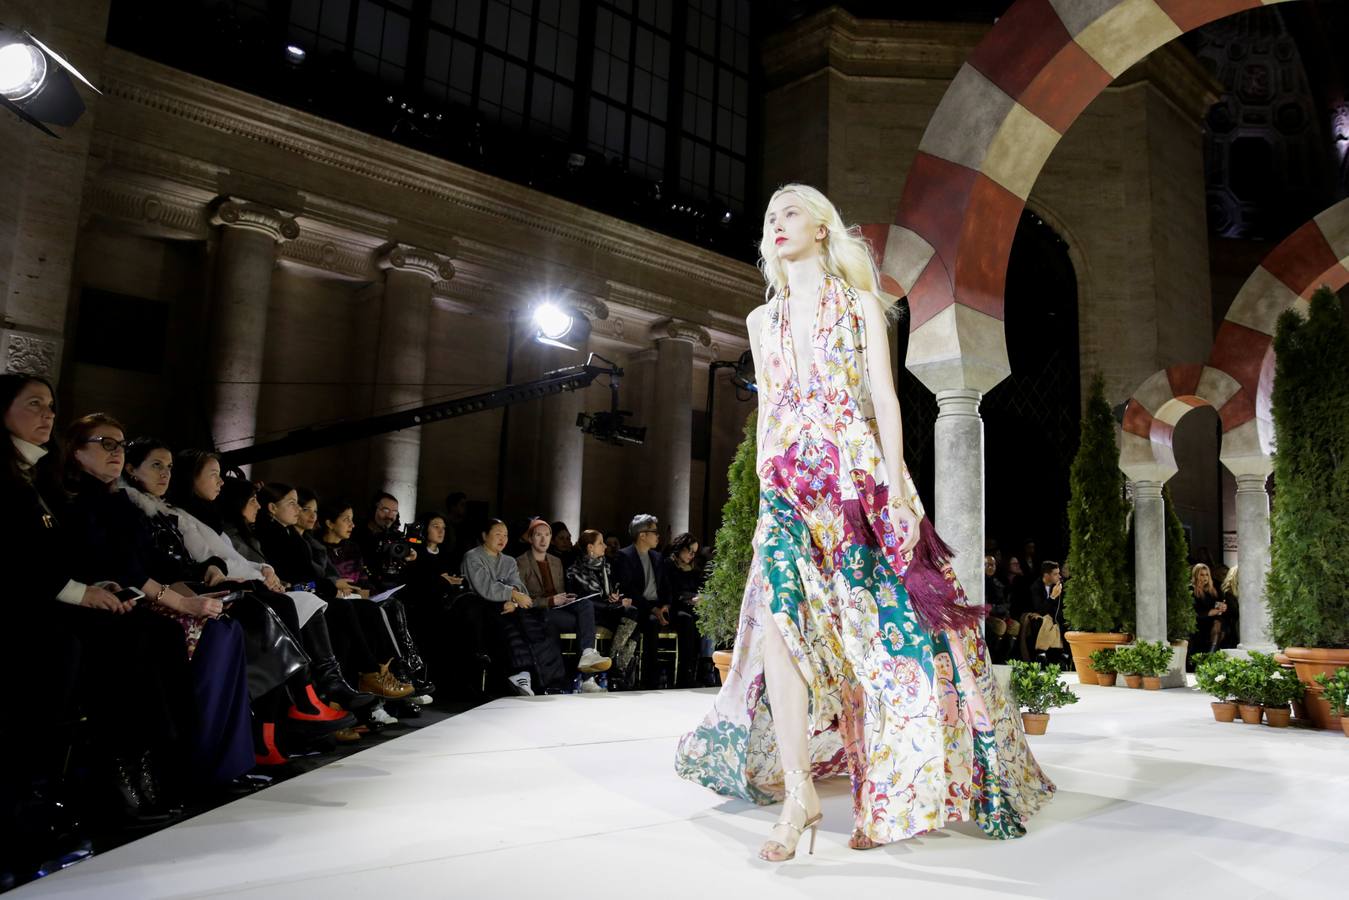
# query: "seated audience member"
108,534
1210,610
545,581
89,644
590,576
635,569
450,626
385,622
611,547
373,539
678,583
533,657
1230,595
562,546
999,627
1042,627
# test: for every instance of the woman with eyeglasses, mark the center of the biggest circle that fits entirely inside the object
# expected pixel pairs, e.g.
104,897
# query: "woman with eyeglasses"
63,617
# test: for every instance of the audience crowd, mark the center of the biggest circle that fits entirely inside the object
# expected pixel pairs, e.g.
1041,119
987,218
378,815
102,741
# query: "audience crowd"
190,630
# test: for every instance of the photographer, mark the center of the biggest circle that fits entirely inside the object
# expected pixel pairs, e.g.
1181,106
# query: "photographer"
384,544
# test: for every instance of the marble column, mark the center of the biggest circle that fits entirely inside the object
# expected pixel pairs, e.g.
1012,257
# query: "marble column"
562,466
958,442
1253,560
670,430
1149,561
245,260
400,366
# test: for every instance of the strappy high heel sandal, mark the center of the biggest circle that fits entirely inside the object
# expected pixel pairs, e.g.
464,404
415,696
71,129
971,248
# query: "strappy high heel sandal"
776,851
859,841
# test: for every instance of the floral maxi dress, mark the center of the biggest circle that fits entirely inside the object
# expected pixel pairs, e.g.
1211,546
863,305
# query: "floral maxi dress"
916,719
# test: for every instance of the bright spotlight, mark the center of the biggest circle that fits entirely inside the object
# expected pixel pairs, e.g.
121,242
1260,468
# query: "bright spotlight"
553,321
295,53
22,70
35,82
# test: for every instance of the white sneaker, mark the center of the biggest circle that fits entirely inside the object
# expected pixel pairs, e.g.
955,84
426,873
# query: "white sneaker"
419,699
592,662
520,681
588,686
381,717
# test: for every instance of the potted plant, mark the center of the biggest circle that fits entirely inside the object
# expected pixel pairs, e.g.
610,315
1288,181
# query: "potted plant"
1037,689
1127,664
1335,691
1248,679
1307,592
1211,674
1152,660
1103,664
1099,606
1281,688
718,612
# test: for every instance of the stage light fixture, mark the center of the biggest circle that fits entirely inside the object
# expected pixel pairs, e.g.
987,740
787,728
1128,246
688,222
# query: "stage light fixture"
553,323
35,82
295,53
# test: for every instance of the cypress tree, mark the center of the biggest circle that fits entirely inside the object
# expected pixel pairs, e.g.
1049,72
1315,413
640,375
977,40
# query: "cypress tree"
1307,588
1099,598
719,611
1180,620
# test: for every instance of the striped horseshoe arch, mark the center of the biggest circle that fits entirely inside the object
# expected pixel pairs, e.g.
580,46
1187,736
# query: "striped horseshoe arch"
1003,114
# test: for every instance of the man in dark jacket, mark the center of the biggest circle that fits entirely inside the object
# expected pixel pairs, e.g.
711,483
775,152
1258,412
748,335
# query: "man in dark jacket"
636,568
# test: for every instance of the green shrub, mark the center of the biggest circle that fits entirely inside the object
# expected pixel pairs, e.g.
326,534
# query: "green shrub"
1335,690
1180,618
1281,688
1250,677
1127,661
1103,660
1307,591
1153,659
719,610
1101,597
1212,673
1037,687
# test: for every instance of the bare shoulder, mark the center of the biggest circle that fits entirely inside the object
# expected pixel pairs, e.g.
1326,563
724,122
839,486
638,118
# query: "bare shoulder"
756,316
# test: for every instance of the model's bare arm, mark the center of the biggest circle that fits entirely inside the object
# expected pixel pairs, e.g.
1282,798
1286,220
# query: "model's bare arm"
885,402
754,323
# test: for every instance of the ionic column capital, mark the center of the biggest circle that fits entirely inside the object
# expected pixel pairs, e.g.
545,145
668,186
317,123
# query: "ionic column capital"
593,308
232,212
680,330
417,261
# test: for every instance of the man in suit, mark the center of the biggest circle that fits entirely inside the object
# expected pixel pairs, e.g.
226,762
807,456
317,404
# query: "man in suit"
1046,599
635,569
542,574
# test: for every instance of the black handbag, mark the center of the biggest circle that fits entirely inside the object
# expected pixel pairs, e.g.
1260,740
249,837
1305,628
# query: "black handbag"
274,655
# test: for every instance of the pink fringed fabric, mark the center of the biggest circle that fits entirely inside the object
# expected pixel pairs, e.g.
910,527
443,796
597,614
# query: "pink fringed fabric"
936,596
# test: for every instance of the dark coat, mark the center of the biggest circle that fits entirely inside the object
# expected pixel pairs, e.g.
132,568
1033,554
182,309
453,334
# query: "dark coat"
42,561
288,553
631,578
677,587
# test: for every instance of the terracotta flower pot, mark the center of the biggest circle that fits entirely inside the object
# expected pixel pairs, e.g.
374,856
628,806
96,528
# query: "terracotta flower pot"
1250,713
722,660
1133,681
1310,662
1035,723
1224,712
1083,643
1277,718
1344,725
1106,679
1152,683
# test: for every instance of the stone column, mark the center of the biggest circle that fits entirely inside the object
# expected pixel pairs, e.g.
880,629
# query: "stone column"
243,285
400,366
1253,560
563,464
670,429
1149,561
958,448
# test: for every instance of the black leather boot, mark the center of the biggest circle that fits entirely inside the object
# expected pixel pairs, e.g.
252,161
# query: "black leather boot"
418,673
327,674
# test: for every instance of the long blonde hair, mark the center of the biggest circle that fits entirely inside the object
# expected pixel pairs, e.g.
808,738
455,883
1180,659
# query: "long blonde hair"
1229,587
1194,581
844,252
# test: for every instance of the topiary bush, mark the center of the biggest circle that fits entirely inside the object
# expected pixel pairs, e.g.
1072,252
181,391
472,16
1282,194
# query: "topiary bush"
1152,659
1101,597
719,610
1307,591
1103,661
1127,661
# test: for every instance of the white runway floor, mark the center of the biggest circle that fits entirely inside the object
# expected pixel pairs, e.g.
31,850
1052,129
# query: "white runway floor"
575,797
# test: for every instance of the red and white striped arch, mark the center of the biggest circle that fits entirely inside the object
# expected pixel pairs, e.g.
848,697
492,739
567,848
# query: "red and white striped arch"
1007,108
1240,371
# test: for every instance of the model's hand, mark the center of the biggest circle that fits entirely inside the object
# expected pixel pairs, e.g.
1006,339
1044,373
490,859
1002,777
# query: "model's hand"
906,524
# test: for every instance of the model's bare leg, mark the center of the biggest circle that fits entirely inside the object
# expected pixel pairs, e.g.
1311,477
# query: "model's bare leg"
787,694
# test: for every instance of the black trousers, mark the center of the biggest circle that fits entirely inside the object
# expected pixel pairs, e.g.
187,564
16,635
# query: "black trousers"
531,646
577,618
350,646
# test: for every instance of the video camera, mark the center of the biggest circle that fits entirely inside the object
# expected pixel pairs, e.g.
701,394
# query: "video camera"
392,549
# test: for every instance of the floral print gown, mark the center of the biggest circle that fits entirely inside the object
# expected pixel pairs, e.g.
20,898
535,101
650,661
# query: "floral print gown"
915,719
